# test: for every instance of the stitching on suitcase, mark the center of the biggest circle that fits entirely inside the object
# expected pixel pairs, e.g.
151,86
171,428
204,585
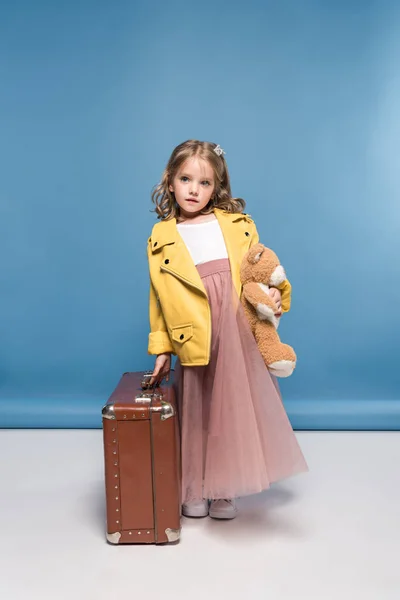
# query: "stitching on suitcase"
153,474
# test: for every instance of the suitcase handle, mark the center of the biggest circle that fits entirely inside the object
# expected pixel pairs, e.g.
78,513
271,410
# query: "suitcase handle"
146,381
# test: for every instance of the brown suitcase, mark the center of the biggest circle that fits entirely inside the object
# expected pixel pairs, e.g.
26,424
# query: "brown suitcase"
142,463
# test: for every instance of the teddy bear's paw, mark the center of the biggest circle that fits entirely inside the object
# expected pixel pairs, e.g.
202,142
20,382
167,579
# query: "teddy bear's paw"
282,368
278,276
266,313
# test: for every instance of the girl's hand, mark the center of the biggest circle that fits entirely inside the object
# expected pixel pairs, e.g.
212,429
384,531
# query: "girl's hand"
276,296
162,368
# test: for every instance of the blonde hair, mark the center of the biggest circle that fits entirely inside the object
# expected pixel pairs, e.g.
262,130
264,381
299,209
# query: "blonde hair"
166,205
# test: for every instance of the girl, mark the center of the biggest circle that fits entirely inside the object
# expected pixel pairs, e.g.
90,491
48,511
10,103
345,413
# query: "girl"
236,438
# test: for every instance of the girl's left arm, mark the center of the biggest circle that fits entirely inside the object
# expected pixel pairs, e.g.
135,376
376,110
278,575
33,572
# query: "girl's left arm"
285,288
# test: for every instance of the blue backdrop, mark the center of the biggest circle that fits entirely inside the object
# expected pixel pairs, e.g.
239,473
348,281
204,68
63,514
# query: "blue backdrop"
303,96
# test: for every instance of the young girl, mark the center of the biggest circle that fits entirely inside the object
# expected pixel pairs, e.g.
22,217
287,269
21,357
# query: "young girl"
236,438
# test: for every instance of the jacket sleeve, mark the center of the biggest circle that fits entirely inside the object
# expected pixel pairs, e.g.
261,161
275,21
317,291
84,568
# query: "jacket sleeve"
284,287
159,340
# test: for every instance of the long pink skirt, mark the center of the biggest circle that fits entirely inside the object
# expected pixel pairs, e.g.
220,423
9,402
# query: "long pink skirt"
236,438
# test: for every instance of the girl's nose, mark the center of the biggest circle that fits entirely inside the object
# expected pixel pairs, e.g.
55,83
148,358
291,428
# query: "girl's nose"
194,189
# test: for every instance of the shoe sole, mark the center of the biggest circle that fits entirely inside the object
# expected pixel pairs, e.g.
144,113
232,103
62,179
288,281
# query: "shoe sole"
195,516
222,517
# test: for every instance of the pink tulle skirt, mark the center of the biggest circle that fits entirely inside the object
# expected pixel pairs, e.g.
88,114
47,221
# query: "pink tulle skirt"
236,438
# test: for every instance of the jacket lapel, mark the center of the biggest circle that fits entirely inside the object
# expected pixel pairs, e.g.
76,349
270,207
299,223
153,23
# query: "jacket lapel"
236,241
180,263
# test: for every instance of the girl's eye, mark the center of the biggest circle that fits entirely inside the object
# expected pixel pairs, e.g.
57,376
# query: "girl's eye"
205,182
184,179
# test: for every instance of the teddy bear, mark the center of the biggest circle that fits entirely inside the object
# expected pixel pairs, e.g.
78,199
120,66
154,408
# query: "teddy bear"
260,270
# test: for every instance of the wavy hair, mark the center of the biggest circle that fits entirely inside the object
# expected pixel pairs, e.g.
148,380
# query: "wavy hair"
166,205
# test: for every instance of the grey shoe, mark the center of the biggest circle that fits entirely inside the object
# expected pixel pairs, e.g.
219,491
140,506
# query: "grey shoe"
197,509
223,509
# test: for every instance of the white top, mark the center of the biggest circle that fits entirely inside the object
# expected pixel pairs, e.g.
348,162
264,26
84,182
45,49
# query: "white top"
204,241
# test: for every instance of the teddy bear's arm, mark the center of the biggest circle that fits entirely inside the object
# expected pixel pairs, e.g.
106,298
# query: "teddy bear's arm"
257,295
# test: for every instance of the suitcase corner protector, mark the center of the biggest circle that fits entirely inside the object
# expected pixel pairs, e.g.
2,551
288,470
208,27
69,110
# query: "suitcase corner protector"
108,411
113,538
167,410
173,535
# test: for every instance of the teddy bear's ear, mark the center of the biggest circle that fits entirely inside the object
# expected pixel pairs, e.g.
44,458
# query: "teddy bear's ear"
255,254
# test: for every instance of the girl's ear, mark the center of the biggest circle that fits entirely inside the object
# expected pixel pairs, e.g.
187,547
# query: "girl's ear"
171,189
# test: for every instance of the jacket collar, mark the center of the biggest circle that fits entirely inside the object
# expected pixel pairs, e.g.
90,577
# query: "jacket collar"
165,232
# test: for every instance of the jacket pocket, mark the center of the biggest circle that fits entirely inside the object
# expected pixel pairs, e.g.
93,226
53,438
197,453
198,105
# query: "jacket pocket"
182,333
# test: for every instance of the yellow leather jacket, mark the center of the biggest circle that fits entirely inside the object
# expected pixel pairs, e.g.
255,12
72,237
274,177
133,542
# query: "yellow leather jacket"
180,318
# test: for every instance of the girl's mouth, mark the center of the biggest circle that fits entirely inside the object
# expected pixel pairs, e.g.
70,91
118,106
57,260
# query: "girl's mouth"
191,200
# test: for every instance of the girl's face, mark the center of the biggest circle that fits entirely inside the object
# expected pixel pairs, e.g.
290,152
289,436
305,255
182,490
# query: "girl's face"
193,186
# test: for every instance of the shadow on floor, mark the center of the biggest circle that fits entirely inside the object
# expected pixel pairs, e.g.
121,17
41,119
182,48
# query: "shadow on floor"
263,515
260,516
94,508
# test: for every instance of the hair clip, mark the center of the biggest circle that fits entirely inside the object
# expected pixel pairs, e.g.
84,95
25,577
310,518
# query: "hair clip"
218,150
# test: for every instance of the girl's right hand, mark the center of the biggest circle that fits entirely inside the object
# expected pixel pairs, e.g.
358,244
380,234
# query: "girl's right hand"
162,368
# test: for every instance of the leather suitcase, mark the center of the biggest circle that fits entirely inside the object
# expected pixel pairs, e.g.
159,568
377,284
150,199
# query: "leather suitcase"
142,463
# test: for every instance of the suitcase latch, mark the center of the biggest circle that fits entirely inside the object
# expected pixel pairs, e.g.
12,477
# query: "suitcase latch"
144,398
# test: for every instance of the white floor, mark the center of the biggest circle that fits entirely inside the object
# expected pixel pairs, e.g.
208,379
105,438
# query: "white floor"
330,534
